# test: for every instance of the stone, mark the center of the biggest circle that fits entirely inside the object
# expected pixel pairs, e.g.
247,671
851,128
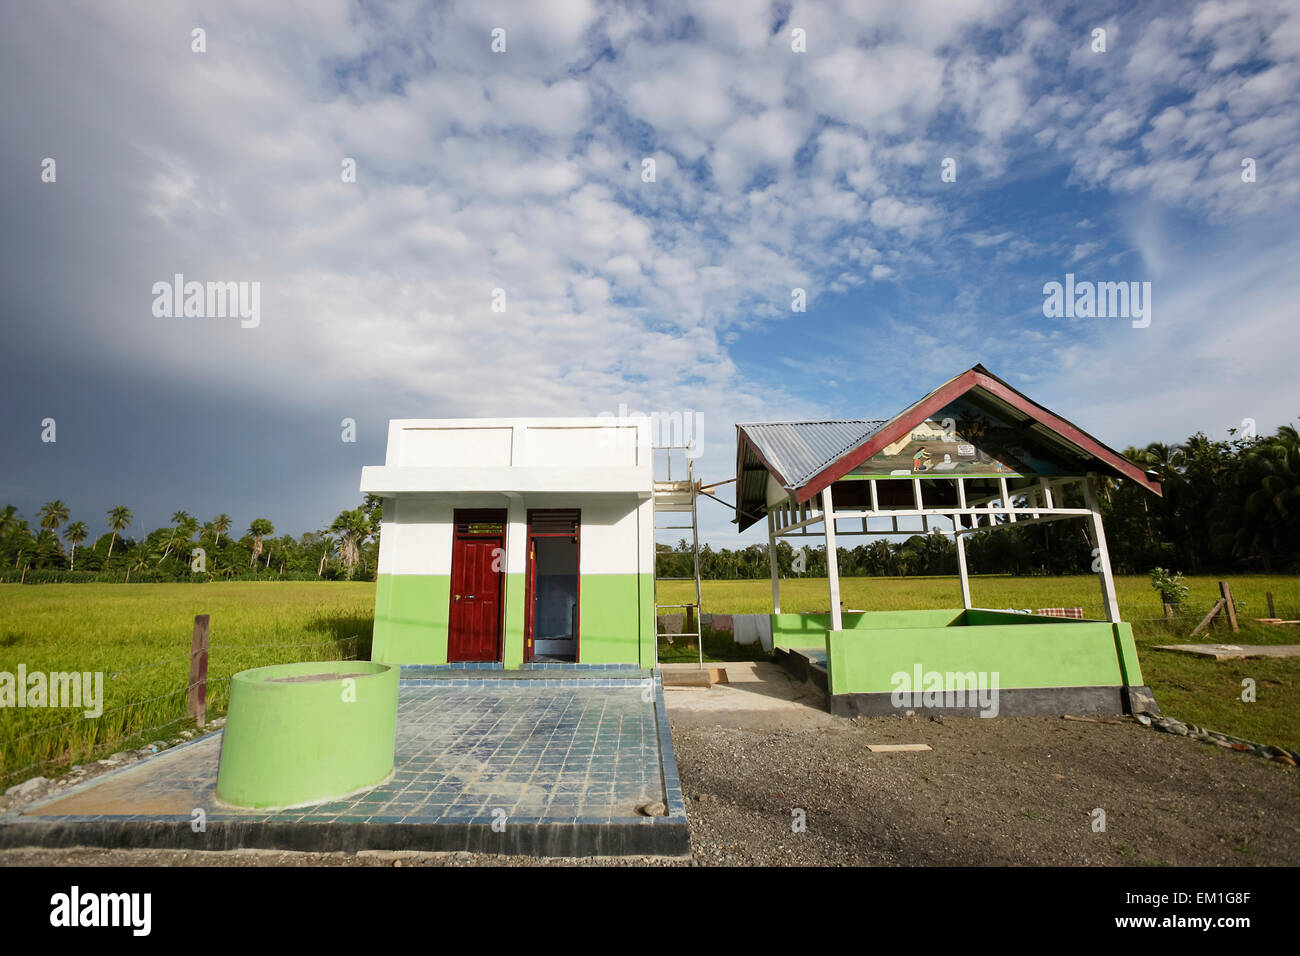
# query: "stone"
656,809
29,788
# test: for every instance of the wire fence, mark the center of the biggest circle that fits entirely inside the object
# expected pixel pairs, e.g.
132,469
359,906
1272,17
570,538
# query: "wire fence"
151,709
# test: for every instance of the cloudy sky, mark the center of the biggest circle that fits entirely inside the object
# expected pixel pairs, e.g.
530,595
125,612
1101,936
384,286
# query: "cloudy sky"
795,146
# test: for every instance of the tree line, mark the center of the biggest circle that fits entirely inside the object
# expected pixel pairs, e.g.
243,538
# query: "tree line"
1227,505
56,549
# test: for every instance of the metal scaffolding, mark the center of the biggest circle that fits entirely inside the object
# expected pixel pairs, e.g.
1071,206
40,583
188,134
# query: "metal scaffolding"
679,497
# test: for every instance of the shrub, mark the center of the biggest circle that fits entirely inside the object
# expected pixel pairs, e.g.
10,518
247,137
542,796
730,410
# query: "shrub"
1169,585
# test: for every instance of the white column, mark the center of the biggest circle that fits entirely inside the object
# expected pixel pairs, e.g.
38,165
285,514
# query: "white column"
832,559
1108,597
961,565
773,564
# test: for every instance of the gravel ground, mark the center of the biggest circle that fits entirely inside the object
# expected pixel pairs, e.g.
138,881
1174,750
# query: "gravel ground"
1010,791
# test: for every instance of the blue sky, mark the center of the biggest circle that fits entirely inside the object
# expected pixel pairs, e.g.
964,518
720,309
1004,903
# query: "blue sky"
522,170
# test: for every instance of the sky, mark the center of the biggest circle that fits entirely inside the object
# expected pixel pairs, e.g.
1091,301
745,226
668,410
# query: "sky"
921,171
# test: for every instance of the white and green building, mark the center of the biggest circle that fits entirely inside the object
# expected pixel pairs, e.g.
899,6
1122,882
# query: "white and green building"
515,540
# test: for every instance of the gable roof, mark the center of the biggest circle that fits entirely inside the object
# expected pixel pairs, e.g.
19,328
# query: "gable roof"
805,457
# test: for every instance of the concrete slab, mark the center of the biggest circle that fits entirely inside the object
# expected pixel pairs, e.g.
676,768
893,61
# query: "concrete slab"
1229,652
758,696
554,767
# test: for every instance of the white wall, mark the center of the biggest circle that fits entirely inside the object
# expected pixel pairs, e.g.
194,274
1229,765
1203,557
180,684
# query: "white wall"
519,443
417,531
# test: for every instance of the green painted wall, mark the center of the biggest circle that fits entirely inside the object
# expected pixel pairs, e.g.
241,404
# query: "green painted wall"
616,619
610,619
1128,654
648,624
809,630
514,623
411,618
288,744
1075,654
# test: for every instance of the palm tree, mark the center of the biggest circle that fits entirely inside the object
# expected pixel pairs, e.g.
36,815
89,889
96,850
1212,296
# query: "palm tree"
181,534
75,533
118,518
53,513
139,562
220,524
258,528
47,545
353,527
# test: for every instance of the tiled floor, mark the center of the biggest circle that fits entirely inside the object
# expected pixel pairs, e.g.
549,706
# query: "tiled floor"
524,751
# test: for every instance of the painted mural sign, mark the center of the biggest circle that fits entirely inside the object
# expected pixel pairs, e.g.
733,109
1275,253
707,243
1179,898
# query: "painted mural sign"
961,439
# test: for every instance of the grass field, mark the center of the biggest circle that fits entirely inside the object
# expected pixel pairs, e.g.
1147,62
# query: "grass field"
139,637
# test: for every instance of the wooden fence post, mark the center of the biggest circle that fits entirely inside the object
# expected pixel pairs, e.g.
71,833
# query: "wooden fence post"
1218,606
198,696
1225,589
1269,595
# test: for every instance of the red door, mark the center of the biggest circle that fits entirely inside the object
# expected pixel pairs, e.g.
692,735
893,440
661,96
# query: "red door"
477,568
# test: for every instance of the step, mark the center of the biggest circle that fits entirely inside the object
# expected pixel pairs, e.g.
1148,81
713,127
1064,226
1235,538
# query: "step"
691,675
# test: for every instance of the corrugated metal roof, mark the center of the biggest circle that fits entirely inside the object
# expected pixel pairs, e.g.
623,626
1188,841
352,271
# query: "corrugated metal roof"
800,450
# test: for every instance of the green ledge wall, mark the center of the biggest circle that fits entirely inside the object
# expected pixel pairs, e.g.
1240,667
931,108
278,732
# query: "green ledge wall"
1025,650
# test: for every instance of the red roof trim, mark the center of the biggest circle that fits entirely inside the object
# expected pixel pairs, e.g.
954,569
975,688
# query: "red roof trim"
973,378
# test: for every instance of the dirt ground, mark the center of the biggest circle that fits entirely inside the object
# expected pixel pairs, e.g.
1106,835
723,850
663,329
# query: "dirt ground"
1006,791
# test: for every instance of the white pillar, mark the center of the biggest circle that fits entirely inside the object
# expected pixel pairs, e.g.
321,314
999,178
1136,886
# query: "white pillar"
1102,557
832,559
961,565
773,564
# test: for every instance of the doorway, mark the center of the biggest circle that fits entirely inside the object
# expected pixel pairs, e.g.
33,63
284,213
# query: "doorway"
477,571
551,618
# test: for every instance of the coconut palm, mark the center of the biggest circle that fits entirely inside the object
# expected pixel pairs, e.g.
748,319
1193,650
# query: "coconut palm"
352,527
52,514
180,535
220,524
74,534
259,528
118,518
138,562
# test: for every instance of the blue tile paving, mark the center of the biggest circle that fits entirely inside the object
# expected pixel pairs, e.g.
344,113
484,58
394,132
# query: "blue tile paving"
586,749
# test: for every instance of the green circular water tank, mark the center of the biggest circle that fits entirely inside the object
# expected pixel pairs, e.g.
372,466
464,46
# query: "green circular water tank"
307,733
